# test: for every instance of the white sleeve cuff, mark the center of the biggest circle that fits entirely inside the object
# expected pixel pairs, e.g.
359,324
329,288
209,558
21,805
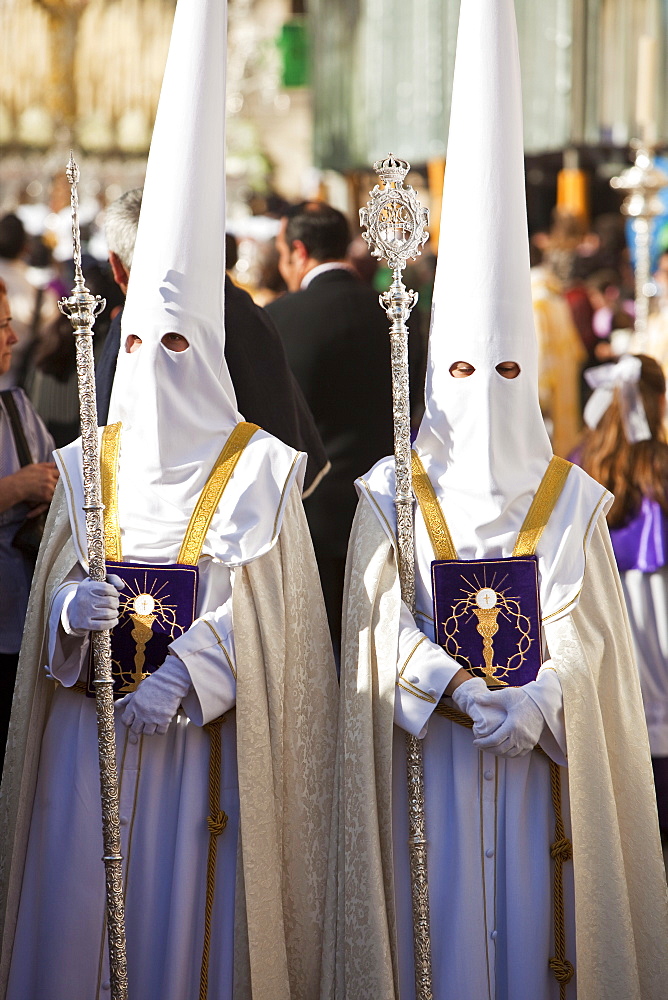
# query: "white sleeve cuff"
424,670
207,650
68,652
546,693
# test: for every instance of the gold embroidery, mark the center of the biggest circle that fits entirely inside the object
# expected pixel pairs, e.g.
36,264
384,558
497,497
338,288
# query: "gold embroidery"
487,601
422,697
432,513
542,506
210,496
109,452
423,614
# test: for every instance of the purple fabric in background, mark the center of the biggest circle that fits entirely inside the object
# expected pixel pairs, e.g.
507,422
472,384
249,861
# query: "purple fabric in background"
643,542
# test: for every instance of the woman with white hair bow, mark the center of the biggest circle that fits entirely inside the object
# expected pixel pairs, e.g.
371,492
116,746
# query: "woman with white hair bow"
626,451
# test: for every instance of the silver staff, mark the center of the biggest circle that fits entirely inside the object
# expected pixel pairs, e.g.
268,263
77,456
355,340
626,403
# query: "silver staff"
395,224
82,309
643,181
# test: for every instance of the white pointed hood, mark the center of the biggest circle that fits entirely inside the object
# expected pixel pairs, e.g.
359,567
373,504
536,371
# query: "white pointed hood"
178,268
482,439
178,409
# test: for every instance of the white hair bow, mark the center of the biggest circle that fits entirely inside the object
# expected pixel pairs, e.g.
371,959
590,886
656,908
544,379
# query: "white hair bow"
623,375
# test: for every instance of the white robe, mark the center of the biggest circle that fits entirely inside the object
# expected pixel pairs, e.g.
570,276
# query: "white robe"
490,823
489,820
163,809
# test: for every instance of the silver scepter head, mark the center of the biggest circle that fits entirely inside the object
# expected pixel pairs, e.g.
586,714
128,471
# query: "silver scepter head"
81,307
394,219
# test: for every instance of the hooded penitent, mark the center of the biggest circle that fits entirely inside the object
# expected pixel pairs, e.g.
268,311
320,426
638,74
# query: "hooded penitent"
489,821
482,439
177,409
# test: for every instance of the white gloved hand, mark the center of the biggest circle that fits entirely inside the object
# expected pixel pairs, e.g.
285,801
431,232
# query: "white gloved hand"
472,697
94,606
151,708
521,730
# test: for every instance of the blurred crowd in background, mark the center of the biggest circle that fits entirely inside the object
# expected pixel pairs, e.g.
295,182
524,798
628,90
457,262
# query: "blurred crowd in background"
582,282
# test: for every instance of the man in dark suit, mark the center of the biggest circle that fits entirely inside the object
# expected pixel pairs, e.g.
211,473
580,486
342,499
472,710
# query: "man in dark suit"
336,338
266,390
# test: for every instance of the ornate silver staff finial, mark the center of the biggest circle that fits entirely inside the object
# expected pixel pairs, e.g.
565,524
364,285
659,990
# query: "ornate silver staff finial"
643,181
82,308
394,218
395,222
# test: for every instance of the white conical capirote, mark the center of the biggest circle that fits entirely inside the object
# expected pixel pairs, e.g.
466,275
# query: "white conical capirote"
177,409
482,438
180,404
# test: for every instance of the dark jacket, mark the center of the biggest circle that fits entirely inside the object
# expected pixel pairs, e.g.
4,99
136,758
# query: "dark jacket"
267,393
336,339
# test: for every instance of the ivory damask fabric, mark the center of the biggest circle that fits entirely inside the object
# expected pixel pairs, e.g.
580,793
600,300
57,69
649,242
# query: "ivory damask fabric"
286,738
372,601
621,905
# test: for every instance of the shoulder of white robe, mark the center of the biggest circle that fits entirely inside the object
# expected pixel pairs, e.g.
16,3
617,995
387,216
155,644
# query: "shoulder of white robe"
562,551
255,500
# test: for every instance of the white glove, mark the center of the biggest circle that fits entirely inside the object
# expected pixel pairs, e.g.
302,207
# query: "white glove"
521,730
472,697
94,606
151,708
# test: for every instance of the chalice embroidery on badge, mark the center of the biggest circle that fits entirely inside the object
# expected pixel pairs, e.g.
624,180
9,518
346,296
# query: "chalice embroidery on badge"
494,609
141,606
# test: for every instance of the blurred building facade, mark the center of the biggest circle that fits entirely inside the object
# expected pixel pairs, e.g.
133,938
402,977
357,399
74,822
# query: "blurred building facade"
382,74
313,85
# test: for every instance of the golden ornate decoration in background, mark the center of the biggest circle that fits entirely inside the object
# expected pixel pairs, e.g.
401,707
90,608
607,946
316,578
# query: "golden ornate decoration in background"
82,71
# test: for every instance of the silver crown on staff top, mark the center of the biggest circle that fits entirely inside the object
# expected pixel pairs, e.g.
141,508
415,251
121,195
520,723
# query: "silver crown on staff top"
392,168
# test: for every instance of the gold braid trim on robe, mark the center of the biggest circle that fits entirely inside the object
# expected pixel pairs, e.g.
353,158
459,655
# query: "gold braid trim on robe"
620,886
286,731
